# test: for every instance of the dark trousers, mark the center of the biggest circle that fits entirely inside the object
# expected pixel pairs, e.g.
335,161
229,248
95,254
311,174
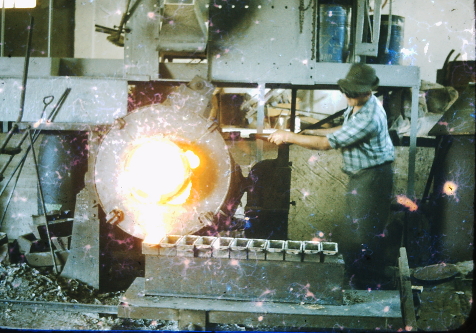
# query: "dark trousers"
368,198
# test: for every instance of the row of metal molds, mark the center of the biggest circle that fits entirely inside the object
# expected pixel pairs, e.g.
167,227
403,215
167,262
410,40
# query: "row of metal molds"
239,248
244,269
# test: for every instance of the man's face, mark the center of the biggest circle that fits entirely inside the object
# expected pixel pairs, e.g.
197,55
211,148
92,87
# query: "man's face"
357,101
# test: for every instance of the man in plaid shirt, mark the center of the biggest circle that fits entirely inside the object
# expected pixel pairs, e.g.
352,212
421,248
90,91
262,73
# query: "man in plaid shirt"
367,153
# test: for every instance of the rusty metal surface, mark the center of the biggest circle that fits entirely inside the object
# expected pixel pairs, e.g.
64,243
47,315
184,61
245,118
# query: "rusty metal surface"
184,128
245,279
378,309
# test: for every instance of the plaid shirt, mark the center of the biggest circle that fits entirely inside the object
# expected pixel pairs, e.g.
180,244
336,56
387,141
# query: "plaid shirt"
363,138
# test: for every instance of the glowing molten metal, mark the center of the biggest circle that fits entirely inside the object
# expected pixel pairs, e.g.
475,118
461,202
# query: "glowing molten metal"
158,171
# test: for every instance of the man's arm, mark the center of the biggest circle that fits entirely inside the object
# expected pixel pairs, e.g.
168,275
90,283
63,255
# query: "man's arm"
321,131
306,141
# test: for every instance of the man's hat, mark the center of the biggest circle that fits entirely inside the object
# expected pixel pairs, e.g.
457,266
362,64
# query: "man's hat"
360,79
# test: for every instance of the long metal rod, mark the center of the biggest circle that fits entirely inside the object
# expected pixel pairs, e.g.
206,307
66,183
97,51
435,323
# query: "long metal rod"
2,38
42,198
50,26
25,70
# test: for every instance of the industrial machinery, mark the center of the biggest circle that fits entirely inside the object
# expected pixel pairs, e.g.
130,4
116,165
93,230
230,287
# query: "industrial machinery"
161,188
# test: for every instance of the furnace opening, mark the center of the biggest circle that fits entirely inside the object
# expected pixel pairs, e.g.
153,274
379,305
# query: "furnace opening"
159,171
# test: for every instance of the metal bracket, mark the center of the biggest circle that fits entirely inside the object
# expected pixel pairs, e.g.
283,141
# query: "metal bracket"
364,48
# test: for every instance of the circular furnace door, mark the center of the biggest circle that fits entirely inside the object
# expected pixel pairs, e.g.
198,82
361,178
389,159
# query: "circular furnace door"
159,169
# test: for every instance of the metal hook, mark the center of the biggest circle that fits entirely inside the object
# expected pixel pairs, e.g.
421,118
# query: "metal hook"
46,101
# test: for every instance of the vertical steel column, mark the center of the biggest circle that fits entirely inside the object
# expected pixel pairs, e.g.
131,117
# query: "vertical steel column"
292,125
412,147
2,38
260,120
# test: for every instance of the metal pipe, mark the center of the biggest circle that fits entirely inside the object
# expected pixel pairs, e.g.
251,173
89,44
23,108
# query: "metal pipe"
2,38
50,26
40,190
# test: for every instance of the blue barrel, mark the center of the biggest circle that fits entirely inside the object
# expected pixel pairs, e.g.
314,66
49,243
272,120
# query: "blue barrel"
392,55
334,32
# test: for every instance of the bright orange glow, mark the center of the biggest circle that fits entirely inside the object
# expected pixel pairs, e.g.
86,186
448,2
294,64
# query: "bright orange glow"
158,171
449,188
403,200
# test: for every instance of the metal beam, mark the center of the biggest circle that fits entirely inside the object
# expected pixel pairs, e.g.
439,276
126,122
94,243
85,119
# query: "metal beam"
378,309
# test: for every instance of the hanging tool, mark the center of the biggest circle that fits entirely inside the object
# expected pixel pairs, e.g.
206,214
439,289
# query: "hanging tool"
47,100
115,35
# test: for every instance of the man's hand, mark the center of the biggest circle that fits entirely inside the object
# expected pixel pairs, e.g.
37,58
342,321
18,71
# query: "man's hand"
279,137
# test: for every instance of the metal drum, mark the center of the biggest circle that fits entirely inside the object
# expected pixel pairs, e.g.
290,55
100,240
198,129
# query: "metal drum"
390,42
61,165
334,32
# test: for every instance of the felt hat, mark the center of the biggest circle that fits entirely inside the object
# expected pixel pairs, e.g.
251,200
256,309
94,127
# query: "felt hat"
361,78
